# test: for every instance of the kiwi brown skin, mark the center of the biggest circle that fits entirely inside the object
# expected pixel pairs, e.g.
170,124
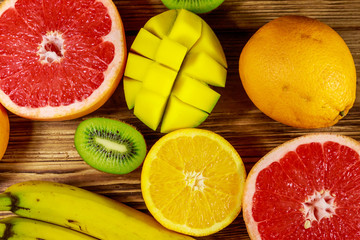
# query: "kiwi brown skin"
195,6
109,145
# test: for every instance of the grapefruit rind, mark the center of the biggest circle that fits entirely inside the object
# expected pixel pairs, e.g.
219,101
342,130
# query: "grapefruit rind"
4,131
275,155
112,77
146,182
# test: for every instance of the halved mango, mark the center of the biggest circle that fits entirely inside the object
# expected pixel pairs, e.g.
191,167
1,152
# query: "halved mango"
210,44
179,56
186,29
159,79
170,53
195,93
132,88
146,44
181,115
203,67
149,107
137,66
161,24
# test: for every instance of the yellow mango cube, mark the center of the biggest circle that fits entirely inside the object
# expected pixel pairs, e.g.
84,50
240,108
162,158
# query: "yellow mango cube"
186,29
172,61
161,24
159,79
195,93
137,66
149,107
131,89
170,54
181,115
204,68
146,44
210,44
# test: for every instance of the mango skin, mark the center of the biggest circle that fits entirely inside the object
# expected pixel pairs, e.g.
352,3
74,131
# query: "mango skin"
173,63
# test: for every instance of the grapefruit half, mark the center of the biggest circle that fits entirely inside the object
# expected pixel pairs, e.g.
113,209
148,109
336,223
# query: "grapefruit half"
59,59
307,188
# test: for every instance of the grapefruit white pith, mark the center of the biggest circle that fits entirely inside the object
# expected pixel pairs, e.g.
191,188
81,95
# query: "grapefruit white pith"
307,188
59,59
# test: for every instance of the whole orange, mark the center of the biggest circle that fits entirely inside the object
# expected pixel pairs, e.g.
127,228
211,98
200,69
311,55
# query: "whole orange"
299,71
4,130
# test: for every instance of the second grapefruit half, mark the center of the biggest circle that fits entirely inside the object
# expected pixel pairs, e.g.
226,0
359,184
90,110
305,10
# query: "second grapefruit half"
59,59
307,188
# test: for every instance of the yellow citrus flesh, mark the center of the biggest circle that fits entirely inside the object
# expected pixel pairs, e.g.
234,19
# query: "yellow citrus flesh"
192,182
299,72
4,130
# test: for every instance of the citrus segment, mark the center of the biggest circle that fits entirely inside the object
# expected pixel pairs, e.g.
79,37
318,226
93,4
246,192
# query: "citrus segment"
69,56
309,185
192,182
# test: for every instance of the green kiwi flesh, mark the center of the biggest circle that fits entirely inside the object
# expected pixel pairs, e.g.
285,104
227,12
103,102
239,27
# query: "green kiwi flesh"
109,145
195,6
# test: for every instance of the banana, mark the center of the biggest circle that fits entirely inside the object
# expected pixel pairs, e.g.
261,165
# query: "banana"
14,228
83,211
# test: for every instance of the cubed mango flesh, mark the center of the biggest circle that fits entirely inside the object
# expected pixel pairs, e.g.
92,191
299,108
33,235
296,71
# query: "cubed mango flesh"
149,107
210,44
195,93
159,79
170,53
204,68
181,115
137,66
186,29
131,88
161,24
146,44
172,61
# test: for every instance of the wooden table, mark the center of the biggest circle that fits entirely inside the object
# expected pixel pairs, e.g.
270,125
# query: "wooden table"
45,150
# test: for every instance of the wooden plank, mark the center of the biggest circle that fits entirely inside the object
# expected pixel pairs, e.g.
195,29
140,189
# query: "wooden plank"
45,150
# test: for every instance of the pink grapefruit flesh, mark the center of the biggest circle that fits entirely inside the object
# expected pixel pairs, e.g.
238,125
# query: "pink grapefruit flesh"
307,188
59,59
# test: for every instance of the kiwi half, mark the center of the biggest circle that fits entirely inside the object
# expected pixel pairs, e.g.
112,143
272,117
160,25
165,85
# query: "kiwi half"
109,145
196,6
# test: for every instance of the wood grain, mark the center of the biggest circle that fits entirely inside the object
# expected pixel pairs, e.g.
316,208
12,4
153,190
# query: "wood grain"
45,150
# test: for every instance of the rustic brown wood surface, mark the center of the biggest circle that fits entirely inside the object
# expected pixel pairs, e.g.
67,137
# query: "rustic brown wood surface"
45,150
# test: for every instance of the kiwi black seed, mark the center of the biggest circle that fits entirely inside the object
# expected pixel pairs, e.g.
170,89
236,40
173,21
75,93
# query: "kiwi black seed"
109,145
196,6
